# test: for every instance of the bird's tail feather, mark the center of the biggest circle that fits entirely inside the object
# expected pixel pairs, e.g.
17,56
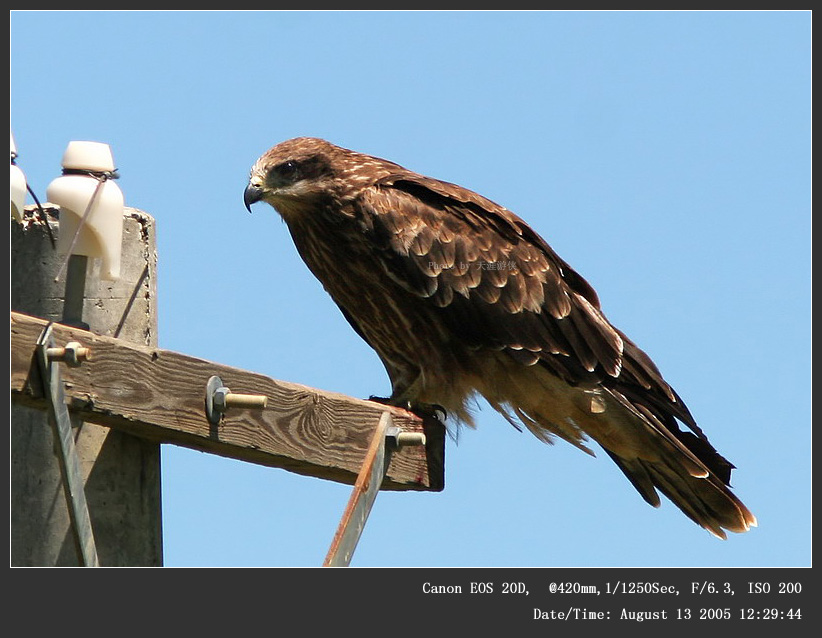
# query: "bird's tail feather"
654,454
704,499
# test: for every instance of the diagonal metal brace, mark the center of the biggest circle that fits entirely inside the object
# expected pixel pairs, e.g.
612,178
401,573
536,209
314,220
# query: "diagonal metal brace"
67,456
387,438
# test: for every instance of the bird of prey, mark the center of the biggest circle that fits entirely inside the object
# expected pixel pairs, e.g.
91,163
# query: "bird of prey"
460,297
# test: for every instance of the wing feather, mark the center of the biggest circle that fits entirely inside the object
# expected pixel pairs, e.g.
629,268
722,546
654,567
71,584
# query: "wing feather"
499,285
440,239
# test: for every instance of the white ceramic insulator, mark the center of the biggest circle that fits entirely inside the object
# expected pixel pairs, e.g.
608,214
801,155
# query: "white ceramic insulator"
88,156
101,235
17,192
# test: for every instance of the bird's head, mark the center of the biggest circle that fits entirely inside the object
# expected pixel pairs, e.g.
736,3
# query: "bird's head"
303,172
292,172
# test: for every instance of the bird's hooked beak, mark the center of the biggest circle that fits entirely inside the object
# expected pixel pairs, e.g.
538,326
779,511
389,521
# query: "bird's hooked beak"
253,193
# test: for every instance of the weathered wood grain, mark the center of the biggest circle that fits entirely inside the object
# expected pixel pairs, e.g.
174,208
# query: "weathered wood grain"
160,395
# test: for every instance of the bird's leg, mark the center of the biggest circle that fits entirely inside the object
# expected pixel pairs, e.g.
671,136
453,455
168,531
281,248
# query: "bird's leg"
405,384
400,389
422,410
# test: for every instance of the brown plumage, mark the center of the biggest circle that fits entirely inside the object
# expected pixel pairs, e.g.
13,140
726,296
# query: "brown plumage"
457,295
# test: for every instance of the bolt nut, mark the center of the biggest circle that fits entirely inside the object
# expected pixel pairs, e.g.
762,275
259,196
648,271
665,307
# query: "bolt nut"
220,399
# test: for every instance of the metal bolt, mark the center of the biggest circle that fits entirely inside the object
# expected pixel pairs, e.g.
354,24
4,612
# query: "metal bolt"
225,398
400,438
219,398
72,354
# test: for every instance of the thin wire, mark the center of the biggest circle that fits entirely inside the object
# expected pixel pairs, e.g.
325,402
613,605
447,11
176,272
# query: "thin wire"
42,215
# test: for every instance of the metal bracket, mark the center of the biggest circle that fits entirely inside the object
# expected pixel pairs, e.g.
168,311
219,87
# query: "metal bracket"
387,439
47,359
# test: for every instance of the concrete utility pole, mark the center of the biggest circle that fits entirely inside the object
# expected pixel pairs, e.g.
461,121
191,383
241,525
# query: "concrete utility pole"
121,471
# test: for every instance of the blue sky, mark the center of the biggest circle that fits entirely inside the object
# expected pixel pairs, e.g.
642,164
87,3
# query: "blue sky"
665,155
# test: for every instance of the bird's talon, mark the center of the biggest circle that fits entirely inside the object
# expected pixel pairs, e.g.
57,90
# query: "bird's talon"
423,410
430,411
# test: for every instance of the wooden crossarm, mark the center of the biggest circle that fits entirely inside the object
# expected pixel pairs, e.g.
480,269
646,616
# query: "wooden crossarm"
160,395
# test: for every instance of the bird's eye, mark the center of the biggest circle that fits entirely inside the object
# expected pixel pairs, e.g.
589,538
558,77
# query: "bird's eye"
288,170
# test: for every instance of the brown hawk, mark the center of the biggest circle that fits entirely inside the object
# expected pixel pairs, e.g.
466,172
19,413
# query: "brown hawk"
459,296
